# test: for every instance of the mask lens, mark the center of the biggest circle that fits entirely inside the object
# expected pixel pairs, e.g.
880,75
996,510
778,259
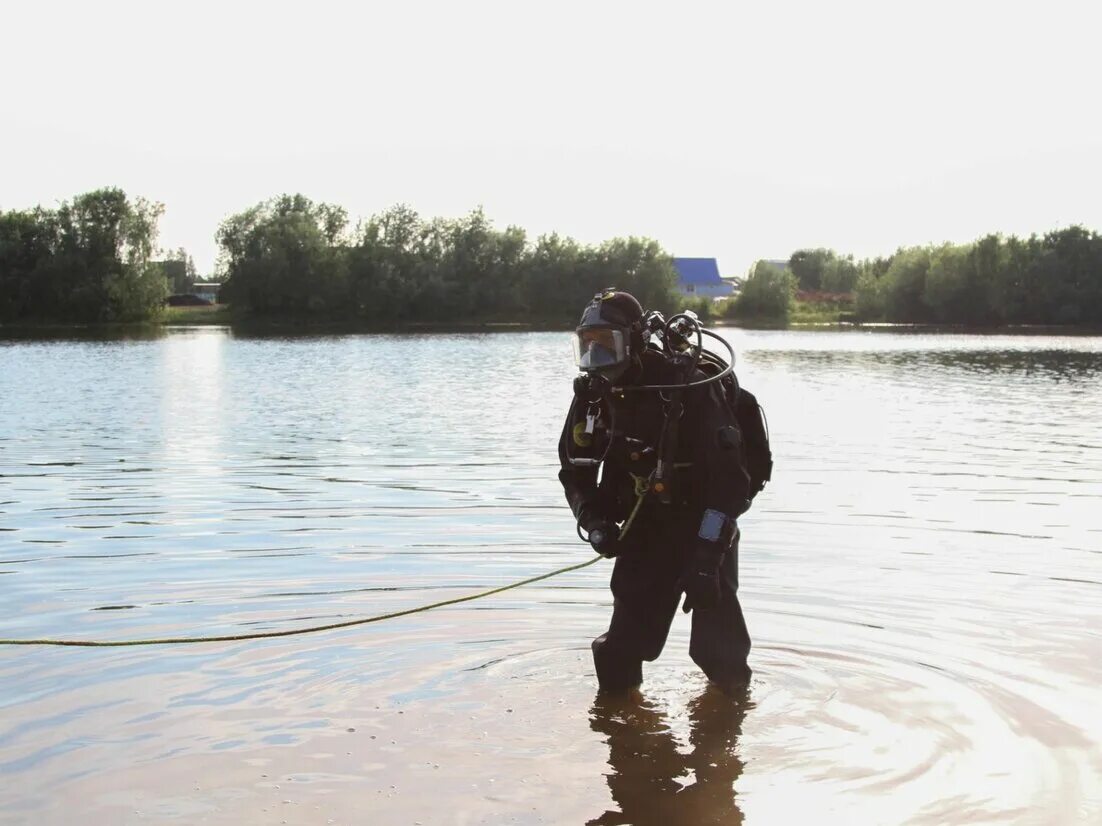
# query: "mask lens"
596,347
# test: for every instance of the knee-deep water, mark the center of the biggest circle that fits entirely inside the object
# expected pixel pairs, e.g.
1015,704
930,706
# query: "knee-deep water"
921,581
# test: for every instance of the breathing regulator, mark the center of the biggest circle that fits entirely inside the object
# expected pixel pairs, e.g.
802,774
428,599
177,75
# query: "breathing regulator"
600,347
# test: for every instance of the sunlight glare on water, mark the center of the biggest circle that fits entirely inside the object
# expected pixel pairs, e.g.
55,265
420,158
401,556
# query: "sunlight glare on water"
920,580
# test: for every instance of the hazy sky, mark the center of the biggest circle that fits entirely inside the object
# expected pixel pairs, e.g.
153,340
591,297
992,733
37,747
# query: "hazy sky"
734,130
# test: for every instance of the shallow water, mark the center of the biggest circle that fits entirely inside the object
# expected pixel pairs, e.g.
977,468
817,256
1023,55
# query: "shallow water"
921,582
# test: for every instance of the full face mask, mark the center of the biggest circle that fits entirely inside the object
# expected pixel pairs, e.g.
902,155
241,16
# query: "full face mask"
600,348
603,338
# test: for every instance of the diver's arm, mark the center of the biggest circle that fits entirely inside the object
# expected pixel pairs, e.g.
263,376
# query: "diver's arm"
724,495
579,482
725,485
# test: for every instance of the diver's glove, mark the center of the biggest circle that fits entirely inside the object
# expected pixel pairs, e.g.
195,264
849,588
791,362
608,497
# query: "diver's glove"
604,536
700,582
701,579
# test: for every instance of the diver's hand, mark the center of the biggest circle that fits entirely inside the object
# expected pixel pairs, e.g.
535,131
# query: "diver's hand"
604,536
700,581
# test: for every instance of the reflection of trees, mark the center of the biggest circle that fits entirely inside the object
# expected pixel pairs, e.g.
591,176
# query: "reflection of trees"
655,782
1059,364
39,333
1014,363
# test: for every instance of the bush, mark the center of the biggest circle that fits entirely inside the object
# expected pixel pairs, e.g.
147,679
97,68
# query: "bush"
88,260
766,296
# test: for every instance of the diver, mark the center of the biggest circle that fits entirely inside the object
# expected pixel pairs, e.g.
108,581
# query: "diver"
661,453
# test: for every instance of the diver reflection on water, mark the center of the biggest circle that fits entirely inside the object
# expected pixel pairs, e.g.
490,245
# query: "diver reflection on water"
652,780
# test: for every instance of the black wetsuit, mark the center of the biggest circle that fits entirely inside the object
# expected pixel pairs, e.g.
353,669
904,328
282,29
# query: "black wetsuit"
654,552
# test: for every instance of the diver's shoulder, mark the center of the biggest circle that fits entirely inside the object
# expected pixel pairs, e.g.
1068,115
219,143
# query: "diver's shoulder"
657,367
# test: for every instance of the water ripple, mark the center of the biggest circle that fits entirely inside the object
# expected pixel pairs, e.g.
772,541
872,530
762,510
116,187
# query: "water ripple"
920,580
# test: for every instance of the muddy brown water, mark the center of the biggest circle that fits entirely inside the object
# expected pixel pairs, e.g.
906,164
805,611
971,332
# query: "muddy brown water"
922,583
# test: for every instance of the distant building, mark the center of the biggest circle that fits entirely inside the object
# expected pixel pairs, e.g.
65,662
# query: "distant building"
208,290
699,278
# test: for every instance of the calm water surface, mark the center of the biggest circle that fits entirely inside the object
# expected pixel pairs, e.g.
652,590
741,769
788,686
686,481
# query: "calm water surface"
921,582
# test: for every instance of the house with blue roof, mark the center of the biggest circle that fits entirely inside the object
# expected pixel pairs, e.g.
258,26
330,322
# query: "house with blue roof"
699,278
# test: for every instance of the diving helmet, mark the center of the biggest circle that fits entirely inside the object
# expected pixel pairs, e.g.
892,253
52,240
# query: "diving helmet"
607,332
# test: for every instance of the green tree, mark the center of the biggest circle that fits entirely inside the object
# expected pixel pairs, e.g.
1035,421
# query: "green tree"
839,274
88,260
282,257
946,281
394,265
902,288
766,294
809,267
1066,278
552,278
1010,294
868,297
638,265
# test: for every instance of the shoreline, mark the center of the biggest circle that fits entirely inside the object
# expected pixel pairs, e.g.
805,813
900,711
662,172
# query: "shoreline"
223,317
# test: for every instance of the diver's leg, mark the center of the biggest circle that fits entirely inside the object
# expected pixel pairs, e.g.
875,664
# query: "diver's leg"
636,633
720,643
645,601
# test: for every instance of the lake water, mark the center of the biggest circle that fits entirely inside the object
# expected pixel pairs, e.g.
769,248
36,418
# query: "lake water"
922,583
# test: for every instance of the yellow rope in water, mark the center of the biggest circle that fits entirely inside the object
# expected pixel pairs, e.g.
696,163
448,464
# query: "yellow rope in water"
261,635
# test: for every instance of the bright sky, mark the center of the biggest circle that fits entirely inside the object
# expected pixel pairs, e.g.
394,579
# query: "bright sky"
728,129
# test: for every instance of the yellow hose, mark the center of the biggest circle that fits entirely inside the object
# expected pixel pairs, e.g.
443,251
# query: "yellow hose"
262,635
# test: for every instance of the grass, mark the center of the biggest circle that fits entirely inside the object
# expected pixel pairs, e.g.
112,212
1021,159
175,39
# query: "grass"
820,312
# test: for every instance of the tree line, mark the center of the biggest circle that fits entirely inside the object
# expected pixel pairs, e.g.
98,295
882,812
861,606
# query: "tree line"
1050,279
292,257
92,260
88,260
